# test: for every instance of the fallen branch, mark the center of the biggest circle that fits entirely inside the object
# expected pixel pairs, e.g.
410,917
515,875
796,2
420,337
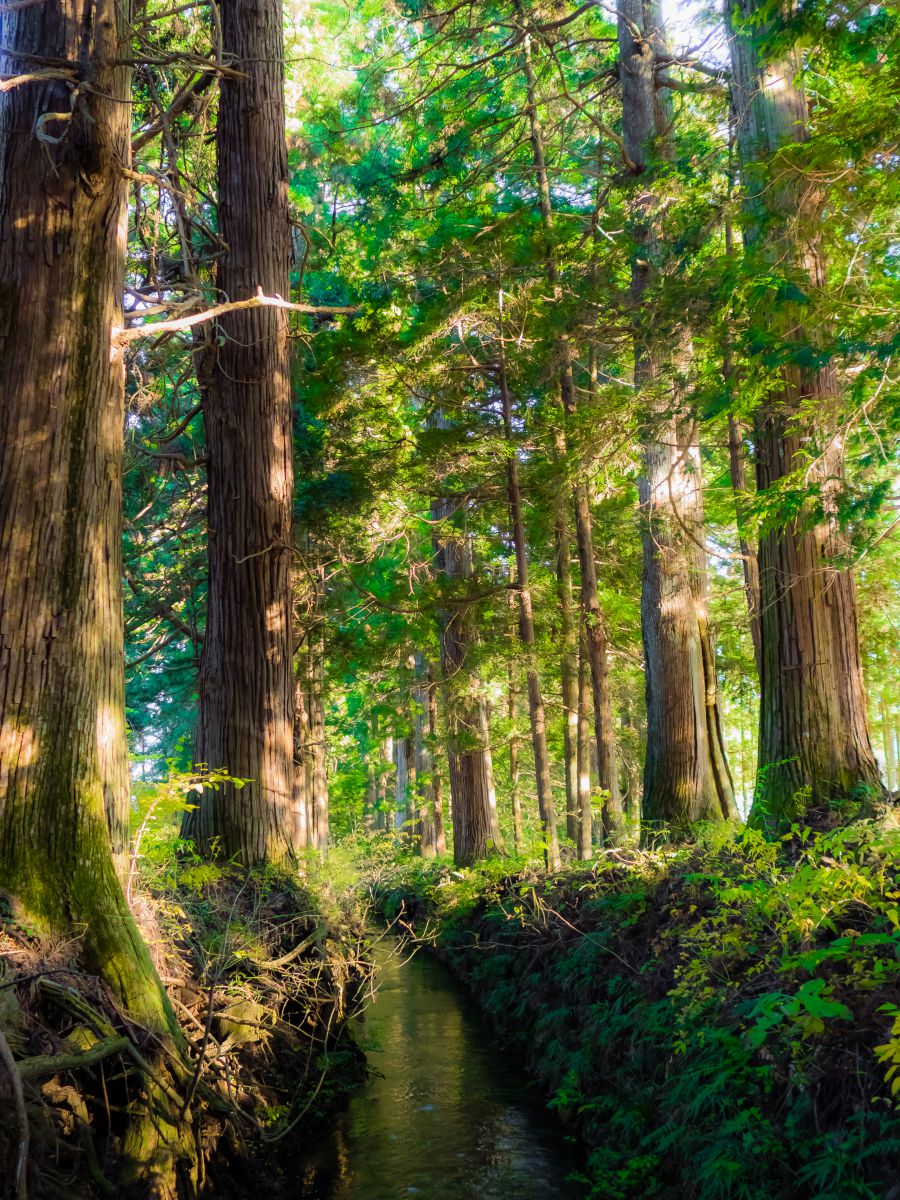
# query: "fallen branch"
41,1065
122,336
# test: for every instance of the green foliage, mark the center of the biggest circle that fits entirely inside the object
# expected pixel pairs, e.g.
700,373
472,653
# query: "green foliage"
718,1021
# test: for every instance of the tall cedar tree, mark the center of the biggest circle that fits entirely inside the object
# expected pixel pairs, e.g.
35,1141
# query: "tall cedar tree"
64,136
246,721
686,776
814,745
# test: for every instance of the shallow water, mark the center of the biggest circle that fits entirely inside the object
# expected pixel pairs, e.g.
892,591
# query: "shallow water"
445,1115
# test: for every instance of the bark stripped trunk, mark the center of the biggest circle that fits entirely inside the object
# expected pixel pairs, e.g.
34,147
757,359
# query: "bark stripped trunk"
536,712
246,686
63,756
612,807
814,745
686,777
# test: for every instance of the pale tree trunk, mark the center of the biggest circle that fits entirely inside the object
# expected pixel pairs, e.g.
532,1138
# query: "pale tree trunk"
63,754
317,732
585,816
514,788
569,643
606,753
246,686
437,807
303,817
749,559
536,711
686,778
401,783
890,750
814,744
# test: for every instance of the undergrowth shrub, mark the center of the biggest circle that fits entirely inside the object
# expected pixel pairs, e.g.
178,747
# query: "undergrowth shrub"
720,1021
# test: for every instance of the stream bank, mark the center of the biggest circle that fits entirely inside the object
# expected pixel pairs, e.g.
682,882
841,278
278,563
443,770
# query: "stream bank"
445,1114
715,1022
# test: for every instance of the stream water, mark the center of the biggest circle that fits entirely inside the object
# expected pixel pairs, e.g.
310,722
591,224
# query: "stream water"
445,1115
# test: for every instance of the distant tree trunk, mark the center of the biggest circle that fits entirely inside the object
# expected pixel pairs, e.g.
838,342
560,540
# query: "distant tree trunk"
612,811
814,744
304,817
246,687
514,789
437,808
401,783
317,731
63,755
569,647
471,778
526,626
585,815
686,777
749,559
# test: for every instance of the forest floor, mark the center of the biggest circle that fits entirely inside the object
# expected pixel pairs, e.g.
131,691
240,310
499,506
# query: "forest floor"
718,1021
714,1021
263,973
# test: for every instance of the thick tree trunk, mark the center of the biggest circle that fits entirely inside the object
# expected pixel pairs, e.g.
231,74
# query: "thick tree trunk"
890,749
246,687
63,755
472,798
814,745
686,777
401,783
526,630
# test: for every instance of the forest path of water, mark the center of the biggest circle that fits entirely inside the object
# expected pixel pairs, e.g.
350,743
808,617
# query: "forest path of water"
445,1114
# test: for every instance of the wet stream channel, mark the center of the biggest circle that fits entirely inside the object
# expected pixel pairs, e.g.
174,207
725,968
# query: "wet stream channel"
445,1114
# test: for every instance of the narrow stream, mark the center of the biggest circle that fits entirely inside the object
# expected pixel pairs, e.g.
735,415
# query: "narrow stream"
445,1114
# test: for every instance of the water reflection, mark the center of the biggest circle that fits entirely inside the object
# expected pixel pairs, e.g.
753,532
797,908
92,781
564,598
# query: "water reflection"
448,1117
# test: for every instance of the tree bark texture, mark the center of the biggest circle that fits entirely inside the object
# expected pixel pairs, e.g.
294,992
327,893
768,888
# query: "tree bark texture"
471,778
63,754
246,685
814,745
686,776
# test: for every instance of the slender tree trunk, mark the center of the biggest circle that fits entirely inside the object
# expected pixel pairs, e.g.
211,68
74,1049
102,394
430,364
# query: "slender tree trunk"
686,778
569,643
437,808
814,744
246,688
514,789
890,750
585,815
304,819
526,628
401,783
749,558
612,809
63,754
317,732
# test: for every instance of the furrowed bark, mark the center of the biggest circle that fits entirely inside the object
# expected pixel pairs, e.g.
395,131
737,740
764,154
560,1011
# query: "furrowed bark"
814,747
686,777
246,686
63,755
